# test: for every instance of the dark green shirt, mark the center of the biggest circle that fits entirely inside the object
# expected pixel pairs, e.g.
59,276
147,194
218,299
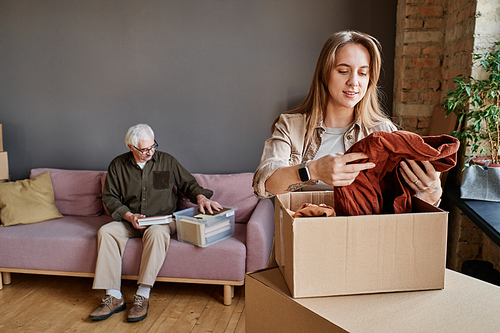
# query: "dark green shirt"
148,191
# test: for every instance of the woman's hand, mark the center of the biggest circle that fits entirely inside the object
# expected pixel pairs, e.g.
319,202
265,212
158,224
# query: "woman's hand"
334,169
209,205
426,183
331,169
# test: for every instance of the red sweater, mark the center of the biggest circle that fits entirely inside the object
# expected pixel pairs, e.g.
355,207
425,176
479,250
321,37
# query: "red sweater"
382,189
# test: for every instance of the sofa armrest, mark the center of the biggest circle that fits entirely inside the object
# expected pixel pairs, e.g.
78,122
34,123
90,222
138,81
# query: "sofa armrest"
260,233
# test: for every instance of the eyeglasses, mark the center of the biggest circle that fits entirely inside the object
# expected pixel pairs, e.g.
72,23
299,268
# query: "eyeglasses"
145,151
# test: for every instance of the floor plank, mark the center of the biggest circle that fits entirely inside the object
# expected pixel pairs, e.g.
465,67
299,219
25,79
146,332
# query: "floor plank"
40,303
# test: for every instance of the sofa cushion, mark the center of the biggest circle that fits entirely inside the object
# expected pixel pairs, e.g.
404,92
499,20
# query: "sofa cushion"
233,190
224,260
27,201
68,244
77,192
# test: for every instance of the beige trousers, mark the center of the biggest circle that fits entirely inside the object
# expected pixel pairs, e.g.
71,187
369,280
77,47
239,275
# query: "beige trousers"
111,241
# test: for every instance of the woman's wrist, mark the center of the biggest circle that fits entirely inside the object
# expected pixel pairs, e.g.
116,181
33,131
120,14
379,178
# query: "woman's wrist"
311,166
431,195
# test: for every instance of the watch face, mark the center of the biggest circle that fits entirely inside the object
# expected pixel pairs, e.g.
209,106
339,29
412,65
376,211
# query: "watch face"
303,173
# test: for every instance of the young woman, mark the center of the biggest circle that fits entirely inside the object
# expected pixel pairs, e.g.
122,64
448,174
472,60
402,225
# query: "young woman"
342,107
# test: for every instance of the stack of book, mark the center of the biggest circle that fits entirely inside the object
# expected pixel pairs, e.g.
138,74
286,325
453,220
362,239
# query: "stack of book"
156,220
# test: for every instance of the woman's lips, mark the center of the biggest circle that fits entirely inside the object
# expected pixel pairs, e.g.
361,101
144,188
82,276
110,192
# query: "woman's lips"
350,93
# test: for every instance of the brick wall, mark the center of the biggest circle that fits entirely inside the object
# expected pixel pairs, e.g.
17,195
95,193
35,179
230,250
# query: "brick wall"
435,40
420,34
458,42
433,44
465,239
490,252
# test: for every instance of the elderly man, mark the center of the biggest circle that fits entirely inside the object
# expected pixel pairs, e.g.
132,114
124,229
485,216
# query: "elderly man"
139,184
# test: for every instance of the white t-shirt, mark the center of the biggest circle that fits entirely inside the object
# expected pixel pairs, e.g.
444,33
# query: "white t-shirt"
332,141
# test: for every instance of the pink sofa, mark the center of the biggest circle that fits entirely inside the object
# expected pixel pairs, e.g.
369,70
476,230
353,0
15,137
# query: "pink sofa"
68,246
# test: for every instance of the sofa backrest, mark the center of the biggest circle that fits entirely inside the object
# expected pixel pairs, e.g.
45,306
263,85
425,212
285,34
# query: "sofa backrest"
233,190
76,192
79,192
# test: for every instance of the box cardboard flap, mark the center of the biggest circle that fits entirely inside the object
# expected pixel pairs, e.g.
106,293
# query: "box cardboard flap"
260,307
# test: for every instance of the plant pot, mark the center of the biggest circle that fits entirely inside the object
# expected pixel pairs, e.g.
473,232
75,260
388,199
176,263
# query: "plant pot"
483,161
480,182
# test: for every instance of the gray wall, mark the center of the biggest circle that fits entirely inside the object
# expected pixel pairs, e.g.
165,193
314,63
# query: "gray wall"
209,76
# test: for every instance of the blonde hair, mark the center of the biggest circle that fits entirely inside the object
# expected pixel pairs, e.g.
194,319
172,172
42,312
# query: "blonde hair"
368,111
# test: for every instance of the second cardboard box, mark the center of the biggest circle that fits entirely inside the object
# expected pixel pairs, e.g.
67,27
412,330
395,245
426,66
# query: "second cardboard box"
4,166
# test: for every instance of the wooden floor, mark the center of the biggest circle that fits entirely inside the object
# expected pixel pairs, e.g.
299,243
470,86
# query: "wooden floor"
38,303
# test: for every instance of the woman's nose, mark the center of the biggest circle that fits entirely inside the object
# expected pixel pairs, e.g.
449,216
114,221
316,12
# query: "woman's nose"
353,80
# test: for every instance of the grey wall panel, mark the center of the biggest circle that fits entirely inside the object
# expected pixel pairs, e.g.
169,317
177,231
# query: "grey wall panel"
209,76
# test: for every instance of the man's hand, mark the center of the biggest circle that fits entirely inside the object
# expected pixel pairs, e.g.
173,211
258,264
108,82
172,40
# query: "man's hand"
132,218
209,205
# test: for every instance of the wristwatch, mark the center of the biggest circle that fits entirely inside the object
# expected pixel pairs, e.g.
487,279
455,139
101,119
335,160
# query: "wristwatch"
304,172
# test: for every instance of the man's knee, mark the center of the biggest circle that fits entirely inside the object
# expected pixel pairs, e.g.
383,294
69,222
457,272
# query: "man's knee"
103,231
157,233
107,230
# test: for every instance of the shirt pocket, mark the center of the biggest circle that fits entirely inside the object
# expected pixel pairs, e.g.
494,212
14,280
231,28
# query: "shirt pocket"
161,180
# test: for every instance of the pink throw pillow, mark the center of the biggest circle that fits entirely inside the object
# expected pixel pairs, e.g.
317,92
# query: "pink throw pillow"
77,192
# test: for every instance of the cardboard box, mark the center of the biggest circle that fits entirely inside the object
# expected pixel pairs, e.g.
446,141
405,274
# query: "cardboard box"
1,138
323,256
4,166
465,305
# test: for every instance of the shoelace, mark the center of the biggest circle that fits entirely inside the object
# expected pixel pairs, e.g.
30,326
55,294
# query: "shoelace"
138,300
107,300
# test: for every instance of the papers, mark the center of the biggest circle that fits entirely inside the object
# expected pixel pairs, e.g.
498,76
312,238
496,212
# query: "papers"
203,234
164,219
220,230
190,232
211,228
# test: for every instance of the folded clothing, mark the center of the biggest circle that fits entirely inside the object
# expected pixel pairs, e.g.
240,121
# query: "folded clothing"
382,189
312,210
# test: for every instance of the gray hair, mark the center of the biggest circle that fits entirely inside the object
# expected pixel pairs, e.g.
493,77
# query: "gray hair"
140,132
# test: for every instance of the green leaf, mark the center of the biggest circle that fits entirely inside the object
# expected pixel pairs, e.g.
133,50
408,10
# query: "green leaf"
468,90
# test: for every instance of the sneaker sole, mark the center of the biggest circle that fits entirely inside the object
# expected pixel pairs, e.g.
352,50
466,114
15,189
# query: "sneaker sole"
118,309
133,320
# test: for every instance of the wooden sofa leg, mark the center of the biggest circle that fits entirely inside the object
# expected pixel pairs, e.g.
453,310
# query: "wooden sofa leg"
6,278
228,294
1,282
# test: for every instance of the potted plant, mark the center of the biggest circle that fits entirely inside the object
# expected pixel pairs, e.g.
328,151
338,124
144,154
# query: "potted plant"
476,102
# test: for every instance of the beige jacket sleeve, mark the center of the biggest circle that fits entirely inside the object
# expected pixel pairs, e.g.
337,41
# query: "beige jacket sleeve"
283,148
